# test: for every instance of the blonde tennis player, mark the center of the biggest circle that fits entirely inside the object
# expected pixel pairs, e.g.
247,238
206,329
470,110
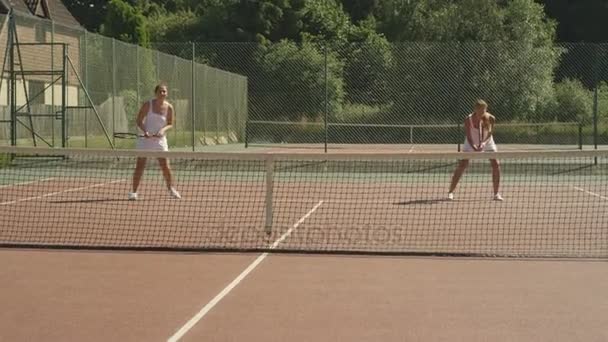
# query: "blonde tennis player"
154,119
479,127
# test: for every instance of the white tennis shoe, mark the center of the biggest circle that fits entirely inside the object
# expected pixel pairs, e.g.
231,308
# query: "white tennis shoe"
450,196
498,197
132,196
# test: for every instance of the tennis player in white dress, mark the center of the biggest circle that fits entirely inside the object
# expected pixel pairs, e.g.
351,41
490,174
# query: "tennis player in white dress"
155,117
479,126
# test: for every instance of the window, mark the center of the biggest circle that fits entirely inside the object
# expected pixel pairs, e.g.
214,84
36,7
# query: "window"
35,88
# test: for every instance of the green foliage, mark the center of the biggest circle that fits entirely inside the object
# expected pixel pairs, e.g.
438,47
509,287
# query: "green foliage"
324,22
525,21
360,113
131,103
126,23
97,50
148,77
365,54
500,51
367,67
172,26
572,103
296,82
240,20
465,20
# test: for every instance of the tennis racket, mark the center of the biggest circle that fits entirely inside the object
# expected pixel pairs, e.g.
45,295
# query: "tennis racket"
127,135
480,133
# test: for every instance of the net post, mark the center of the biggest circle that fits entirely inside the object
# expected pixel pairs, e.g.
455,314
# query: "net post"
269,195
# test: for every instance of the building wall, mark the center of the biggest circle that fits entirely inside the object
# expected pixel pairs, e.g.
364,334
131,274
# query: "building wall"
43,58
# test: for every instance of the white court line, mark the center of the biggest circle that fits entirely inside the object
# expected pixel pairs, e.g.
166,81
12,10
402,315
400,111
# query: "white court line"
589,192
26,183
192,322
62,191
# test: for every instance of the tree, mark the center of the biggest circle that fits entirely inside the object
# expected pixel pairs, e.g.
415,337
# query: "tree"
365,54
325,22
368,61
126,23
295,82
572,103
502,51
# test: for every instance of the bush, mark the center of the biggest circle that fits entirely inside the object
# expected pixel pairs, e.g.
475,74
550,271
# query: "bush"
131,103
367,69
294,81
572,103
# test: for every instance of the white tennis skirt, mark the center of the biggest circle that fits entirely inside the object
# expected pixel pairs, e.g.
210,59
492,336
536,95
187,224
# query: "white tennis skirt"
490,146
152,144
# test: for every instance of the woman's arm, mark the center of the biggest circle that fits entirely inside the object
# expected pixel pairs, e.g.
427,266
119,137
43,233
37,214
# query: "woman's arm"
489,121
467,127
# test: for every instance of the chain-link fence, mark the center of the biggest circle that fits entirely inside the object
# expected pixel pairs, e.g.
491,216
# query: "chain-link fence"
210,104
362,94
416,93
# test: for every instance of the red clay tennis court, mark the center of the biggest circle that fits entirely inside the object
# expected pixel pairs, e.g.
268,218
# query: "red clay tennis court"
393,259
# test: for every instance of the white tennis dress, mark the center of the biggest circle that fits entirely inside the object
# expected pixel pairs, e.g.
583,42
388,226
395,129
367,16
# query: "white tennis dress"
153,122
490,146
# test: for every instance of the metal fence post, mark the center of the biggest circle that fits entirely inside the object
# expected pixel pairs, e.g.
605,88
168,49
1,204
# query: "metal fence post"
193,97
13,82
86,85
53,87
64,97
595,137
326,98
113,90
137,75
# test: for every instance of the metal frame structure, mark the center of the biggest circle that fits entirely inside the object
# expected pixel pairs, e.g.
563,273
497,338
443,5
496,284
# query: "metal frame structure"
16,72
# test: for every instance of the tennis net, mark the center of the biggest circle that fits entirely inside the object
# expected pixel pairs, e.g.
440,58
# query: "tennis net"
555,202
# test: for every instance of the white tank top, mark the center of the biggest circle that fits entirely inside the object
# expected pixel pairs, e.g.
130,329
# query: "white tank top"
475,133
154,122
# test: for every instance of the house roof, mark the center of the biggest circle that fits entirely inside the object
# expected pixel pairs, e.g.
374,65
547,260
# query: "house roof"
60,14
18,5
54,10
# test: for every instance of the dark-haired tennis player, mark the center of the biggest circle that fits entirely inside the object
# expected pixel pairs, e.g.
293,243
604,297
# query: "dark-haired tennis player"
154,119
479,127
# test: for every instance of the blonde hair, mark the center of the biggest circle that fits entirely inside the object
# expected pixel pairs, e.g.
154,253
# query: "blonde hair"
481,103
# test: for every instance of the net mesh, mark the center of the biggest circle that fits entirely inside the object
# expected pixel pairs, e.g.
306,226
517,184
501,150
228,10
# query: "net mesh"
555,202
